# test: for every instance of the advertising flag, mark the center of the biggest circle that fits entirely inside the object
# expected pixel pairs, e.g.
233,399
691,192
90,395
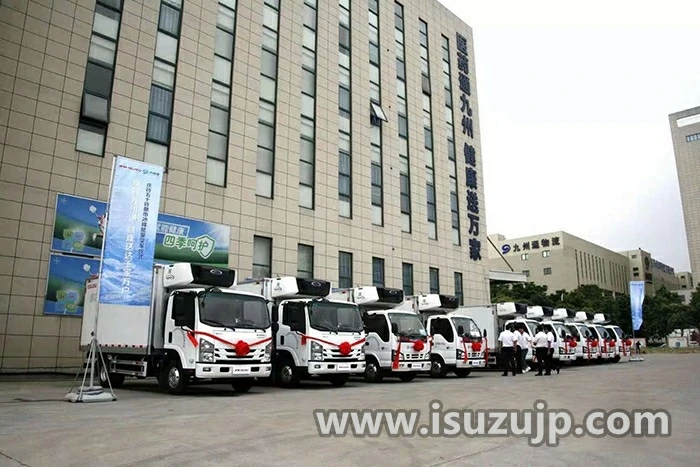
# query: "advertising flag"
129,241
636,302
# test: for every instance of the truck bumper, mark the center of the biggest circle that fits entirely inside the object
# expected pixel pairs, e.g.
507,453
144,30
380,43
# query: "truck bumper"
568,357
223,371
325,368
471,363
406,366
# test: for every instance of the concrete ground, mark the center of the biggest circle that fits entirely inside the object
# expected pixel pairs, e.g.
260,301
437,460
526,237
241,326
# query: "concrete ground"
272,426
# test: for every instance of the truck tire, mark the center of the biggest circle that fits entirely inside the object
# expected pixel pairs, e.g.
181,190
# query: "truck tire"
438,369
287,373
339,380
115,379
373,372
462,372
173,378
242,386
407,377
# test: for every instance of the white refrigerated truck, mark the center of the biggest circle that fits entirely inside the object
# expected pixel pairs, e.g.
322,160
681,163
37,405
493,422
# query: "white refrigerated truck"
456,339
397,342
583,336
601,338
197,328
623,345
554,317
315,336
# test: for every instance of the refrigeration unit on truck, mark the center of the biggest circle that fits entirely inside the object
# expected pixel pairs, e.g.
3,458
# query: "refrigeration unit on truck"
198,328
554,318
623,349
583,336
314,337
456,339
397,343
492,319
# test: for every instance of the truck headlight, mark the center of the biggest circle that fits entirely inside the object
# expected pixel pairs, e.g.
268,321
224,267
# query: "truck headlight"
268,353
361,356
316,352
206,351
460,353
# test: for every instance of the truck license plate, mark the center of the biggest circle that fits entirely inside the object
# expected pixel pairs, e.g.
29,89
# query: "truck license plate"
241,371
343,366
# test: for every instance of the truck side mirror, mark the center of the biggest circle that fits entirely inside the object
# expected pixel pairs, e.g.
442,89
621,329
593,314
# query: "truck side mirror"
460,330
484,333
563,334
275,327
394,328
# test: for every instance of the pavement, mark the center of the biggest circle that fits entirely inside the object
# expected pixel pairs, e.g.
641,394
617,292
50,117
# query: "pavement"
269,426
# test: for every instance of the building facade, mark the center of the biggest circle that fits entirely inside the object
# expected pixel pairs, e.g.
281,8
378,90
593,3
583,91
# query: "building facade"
337,140
685,280
685,133
655,273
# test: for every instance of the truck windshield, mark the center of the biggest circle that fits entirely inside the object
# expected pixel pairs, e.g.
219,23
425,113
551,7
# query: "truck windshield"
603,332
336,317
574,331
619,332
558,327
407,325
231,310
469,326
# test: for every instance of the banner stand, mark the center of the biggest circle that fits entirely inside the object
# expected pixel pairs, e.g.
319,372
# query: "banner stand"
636,307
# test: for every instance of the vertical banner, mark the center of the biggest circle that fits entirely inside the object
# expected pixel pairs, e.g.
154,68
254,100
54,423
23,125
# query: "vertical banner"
636,302
129,246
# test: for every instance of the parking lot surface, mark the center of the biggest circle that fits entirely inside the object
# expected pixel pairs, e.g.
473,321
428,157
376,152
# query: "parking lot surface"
273,426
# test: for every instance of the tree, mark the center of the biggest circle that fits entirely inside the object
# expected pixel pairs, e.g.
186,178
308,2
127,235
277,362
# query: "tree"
528,293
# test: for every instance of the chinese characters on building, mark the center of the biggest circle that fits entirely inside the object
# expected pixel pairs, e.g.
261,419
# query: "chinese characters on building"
531,245
469,149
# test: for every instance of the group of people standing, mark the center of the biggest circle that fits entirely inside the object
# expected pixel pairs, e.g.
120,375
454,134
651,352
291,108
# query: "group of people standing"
515,343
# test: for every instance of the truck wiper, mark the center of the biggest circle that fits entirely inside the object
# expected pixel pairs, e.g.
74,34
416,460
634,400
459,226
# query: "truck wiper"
348,329
324,328
212,322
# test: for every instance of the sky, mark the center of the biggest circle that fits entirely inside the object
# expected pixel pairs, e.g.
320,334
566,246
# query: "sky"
574,99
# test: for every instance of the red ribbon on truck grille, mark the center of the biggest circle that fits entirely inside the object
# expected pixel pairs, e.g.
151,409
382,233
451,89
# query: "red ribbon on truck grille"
344,347
242,348
418,345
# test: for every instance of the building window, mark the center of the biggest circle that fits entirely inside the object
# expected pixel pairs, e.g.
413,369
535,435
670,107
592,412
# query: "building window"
307,153
305,261
428,133
636,274
161,102
547,271
693,137
377,272
526,272
345,112
524,256
407,278
262,257
459,288
344,270
404,171
546,253
267,115
434,278
219,114
99,78
377,178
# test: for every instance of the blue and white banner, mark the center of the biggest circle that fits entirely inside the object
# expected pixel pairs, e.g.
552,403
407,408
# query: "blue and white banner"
636,302
129,244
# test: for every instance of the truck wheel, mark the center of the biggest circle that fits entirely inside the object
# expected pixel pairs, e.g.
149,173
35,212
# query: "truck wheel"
287,373
115,379
373,372
339,380
437,368
407,377
462,372
242,386
173,379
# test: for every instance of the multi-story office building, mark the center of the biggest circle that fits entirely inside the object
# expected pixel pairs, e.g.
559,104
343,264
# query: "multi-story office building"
336,140
685,280
562,261
685,133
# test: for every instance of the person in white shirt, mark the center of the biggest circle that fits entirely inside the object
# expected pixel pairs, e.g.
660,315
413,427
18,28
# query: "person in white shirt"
552,348
541,344
524,340
508,341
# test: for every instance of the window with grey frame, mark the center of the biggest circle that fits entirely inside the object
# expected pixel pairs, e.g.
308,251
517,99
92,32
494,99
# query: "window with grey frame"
377,272
267,114
376,115
459,288
161,101
451,150
434,278
307,153
219,112
407,278
99,78
404,157
262,257
344,270
305,261
345,112
431,196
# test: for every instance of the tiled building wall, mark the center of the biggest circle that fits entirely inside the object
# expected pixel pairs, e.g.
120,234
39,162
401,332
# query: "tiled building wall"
43,54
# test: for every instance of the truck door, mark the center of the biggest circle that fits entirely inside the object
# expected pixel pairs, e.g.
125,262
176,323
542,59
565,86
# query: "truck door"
292,327
377,341
443,335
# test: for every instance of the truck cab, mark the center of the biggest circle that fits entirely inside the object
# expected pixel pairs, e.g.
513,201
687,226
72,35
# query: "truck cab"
198,328
567,343
456,339
314,337
582,336
397,342
600,338
623,343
